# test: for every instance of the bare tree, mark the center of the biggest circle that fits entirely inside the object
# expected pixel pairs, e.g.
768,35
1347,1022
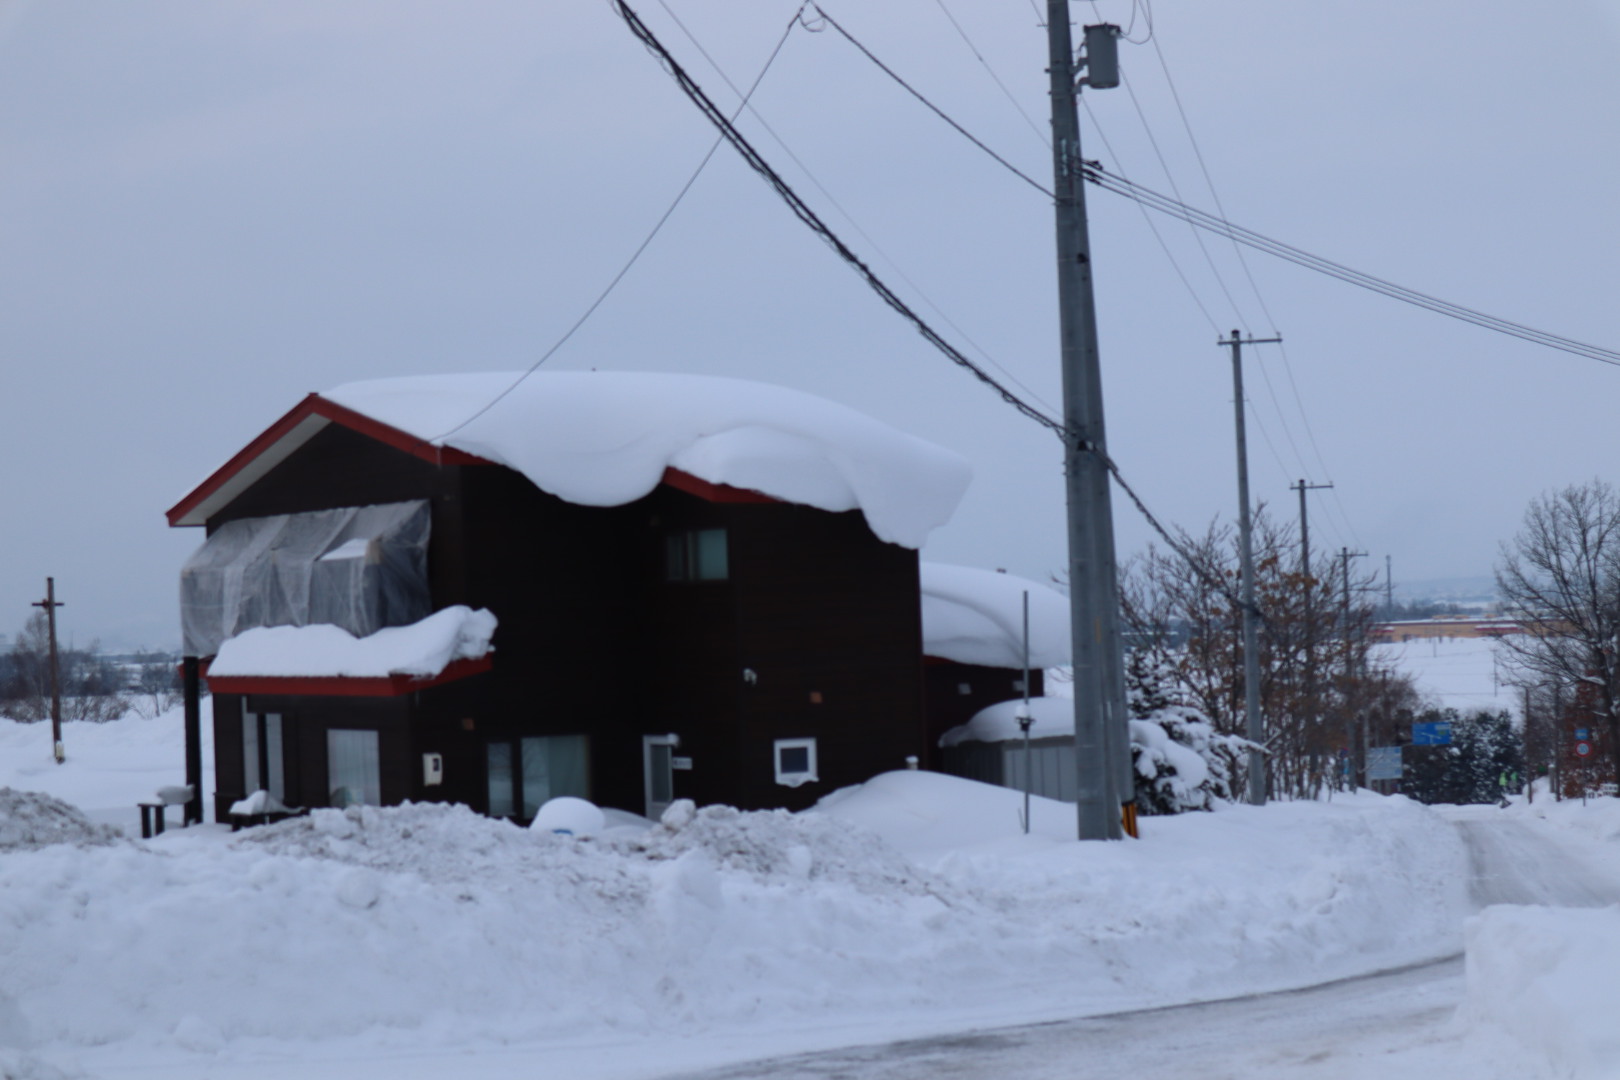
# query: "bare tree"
1561,576
91,687
1316,680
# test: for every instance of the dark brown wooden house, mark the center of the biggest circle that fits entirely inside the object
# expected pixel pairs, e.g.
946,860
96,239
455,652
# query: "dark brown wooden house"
700,640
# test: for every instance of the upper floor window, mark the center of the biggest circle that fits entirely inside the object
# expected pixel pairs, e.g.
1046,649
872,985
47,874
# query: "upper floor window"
696,555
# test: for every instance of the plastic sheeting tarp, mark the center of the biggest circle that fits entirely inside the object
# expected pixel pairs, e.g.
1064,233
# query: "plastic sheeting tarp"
358,567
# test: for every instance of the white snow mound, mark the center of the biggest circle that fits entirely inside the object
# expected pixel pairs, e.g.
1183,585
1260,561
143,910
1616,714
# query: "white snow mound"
605,439
30,820
423,649
977,617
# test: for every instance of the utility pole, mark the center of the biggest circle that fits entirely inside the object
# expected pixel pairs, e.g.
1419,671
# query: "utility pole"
50,604
1102,749
1389,587
1309,584
1360,770
1251,632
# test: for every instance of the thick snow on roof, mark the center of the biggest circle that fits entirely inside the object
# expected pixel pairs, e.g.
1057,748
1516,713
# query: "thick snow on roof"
422,649
1053,717
605,439
977,617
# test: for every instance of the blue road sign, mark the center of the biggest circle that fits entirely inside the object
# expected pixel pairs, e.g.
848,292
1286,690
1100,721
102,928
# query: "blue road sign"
1435,734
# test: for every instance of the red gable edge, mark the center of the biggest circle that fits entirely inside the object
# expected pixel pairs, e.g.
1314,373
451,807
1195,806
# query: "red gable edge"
345,686
715,493
315,405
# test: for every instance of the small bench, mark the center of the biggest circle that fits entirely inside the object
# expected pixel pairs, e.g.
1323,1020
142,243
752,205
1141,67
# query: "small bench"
153,818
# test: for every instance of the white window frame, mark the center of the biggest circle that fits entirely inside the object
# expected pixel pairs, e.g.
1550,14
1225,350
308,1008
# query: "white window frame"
795,779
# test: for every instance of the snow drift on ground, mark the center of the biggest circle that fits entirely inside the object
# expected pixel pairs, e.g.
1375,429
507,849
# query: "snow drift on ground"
977,617
908,905
423,649
1547,976
605,439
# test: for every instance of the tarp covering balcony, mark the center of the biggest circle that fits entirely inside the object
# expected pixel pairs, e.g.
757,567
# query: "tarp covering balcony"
359,567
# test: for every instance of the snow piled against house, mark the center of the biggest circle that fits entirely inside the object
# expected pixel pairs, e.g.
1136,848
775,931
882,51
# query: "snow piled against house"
605,439
976,616
423,649
913,898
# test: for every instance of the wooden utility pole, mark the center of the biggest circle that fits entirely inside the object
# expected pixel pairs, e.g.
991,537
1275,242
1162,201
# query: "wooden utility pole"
1104,781
1308,583
1359,770
1251,621
50,604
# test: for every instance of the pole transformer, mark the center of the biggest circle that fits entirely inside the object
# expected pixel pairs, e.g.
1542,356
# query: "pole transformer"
1102,748
1251,621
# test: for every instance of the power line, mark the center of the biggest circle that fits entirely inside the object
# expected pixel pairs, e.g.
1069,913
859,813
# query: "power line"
805,214
828,195
1040,135
935,109
635,255
1174,208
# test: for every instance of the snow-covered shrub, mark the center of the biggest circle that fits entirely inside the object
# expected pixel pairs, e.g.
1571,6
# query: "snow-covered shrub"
1181,762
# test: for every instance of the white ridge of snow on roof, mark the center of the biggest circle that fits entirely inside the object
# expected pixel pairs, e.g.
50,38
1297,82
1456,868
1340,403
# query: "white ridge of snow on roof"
423,649
977,617
1052,718
605,439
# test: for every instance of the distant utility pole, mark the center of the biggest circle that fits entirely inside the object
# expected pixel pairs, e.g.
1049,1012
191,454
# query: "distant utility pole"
50,604
1309,584
1101,742
1389,587
1345,555
1251,632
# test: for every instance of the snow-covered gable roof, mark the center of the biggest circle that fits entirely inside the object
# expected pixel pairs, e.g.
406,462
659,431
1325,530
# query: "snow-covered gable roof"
976,617
608,438
424,651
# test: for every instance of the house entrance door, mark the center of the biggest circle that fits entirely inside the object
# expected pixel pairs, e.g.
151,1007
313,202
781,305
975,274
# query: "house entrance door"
658,772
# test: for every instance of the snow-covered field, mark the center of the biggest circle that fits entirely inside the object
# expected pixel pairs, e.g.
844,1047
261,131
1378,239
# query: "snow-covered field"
1455,673
430,940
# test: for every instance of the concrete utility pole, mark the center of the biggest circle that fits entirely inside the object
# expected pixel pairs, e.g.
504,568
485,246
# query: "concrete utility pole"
1360,770
50,604
1309,584
1102,749
1251,622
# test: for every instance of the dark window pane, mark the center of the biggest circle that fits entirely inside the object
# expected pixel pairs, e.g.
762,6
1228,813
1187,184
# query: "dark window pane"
500,779
711,554
794,759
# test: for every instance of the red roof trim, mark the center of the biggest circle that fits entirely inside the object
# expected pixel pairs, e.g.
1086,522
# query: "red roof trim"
284,428
344,686
715,493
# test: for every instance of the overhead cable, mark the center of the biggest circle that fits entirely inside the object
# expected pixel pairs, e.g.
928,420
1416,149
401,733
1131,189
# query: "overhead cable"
634,255
805,214
1118,185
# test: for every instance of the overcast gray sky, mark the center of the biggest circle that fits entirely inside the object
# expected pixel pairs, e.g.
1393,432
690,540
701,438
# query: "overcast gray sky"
208,210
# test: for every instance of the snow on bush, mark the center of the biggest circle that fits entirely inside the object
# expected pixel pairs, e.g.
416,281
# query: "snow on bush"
1179,761
31,820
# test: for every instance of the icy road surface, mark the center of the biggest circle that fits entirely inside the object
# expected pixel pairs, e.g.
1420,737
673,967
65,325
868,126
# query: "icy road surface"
1393,1025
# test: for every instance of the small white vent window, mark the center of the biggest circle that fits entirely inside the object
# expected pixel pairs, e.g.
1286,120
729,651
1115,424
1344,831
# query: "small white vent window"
796,762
